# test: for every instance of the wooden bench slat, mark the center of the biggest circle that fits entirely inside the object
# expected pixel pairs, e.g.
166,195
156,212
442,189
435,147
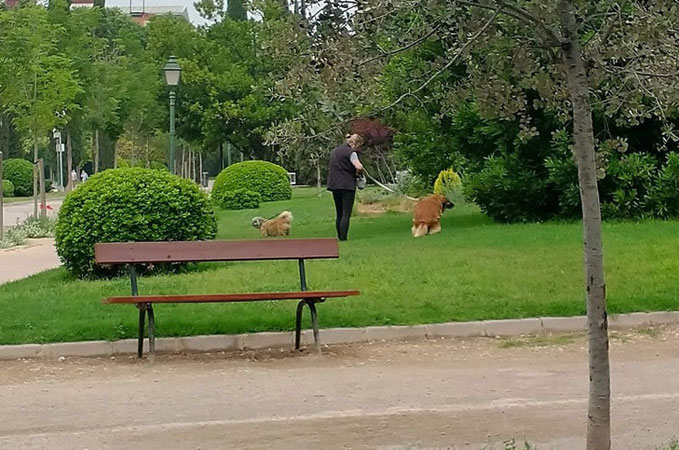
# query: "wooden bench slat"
199,251
218,298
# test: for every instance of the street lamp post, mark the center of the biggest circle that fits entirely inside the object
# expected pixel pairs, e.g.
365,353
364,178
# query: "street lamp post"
172,75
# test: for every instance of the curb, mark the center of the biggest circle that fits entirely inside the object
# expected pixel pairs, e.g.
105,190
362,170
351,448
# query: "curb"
332,336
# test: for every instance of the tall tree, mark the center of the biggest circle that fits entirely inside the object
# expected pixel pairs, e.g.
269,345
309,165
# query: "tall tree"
119,46
42,83
616,55
235,10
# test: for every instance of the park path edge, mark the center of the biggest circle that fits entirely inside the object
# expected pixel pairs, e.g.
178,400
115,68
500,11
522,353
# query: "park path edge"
332,336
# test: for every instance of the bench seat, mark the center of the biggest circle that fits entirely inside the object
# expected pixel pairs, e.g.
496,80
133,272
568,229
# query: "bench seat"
219,298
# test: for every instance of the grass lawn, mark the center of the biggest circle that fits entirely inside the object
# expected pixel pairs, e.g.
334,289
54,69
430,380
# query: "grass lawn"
475,269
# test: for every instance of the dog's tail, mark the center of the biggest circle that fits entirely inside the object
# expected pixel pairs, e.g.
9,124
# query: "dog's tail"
285,215
420,229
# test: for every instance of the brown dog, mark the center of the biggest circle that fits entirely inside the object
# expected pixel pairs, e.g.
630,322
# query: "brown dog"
427,214
278,226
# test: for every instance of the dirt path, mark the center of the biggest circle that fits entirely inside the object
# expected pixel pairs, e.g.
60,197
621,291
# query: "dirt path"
36,256
423,394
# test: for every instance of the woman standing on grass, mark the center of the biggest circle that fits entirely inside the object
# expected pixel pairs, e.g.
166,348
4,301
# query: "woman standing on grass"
343,169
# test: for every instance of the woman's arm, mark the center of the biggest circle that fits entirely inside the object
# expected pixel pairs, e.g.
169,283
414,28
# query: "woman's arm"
355,161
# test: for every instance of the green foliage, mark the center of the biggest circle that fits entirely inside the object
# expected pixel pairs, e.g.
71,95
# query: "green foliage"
509,191
30,228
449,184
126,164
155,165
226,79
129,205
20,173
632,184
13,237
240,199
629,179
412,185
34,227
662,196
7,188
42,80
235,9
269,180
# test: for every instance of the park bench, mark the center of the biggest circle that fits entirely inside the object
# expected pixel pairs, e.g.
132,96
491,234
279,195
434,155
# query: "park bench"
135,253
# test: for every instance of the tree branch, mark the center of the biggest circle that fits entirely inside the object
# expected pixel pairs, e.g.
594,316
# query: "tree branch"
519,14
448,64
657,75
606,32
471,40
402,49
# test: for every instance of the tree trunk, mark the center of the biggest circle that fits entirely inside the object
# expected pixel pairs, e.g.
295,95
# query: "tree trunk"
193,162
200,167
35,176
183,172
115,154
599,420
96,151
318,173
133,155
43,200
148,156
69,160
2,194
386,163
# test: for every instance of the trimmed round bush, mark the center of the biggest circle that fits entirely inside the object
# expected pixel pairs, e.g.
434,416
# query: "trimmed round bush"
267,179
20,173
240,199
7,188
128,205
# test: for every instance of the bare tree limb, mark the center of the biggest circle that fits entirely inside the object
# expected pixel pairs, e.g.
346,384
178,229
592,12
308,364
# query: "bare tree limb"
657,75
521,14
457,55
402,49
606,32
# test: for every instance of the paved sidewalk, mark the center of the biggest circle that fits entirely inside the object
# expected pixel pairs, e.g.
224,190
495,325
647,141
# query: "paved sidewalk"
18,212
36,256
455,393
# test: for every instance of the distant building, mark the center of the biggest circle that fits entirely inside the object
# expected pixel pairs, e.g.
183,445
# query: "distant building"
82,4
142,17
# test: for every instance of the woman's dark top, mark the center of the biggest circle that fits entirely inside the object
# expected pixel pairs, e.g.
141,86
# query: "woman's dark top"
341,171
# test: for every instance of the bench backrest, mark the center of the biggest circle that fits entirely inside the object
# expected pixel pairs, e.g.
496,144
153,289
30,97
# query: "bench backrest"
197,251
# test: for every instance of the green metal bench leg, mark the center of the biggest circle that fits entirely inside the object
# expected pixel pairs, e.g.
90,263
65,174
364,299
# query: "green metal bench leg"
314,325
142,320
298,324
311,303
152,329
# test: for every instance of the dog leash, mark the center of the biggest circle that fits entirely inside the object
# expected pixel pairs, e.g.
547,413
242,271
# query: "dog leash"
376,182
386,187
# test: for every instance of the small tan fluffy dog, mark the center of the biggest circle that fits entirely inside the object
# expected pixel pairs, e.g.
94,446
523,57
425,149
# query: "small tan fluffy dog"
278,226
427,214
